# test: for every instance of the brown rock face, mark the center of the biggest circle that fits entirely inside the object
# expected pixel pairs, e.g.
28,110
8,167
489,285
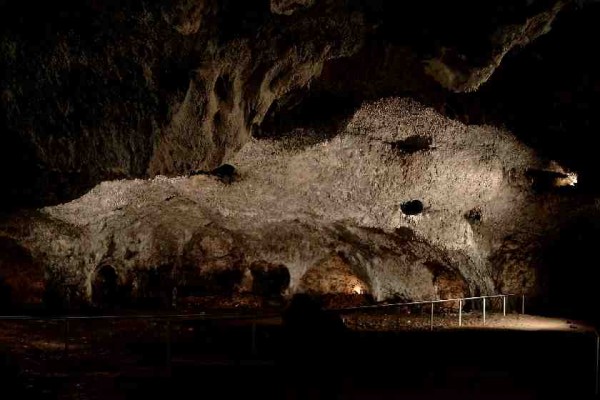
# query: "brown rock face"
517,264
22,279
332,275
96,90
405,204
453,70
288,7
151,88
448,283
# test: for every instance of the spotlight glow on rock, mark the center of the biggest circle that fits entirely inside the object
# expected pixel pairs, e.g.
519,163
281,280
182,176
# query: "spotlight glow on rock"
357,289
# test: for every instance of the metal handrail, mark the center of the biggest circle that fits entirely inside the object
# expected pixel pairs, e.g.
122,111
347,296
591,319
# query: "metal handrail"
433,302
203,316
411,303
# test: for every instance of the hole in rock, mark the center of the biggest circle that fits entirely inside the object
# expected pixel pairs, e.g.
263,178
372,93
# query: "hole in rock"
105,287
413,144
269,280
225,173
473,215
412,207
545,180
223,88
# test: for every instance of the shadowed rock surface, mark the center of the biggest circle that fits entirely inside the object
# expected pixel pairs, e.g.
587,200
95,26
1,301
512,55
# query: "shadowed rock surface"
100,90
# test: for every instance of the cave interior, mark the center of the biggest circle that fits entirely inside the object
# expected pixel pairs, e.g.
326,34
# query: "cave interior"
294,157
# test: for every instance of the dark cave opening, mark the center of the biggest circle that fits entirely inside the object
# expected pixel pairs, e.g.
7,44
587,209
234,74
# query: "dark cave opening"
154,287
105,287
269,280
474,215
413,144
226,173
545,180
223,88
571,272
412,207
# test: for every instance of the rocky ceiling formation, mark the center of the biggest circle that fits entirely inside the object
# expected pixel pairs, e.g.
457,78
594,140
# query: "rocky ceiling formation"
97,90
343,183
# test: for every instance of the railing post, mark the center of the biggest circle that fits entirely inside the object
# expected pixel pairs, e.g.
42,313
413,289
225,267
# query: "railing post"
460,305
504,305
431,319
523,304
484,310
597,363
174,298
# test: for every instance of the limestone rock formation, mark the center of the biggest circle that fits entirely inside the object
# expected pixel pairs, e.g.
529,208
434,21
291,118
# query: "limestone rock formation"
332,275
453,69
95,90
319,216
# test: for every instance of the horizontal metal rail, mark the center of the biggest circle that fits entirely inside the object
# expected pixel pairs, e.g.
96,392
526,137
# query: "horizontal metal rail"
208,316
203,316
412,303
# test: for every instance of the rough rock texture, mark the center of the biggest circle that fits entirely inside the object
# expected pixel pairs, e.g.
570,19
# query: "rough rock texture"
288,7
148,87
303,206
22,279
453,70
97,90
331,276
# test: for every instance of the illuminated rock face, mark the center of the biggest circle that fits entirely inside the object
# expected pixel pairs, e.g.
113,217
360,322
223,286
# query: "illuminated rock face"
325,217
95,90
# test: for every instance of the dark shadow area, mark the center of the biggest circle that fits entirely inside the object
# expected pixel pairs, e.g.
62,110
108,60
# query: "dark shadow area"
269,280
11,379
572,271
105,287
22,278
312,357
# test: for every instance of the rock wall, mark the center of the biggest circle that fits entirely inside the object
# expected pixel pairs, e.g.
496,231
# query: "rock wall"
451,214
100,90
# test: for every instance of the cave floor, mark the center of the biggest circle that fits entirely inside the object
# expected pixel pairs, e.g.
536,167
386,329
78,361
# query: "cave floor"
382,356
